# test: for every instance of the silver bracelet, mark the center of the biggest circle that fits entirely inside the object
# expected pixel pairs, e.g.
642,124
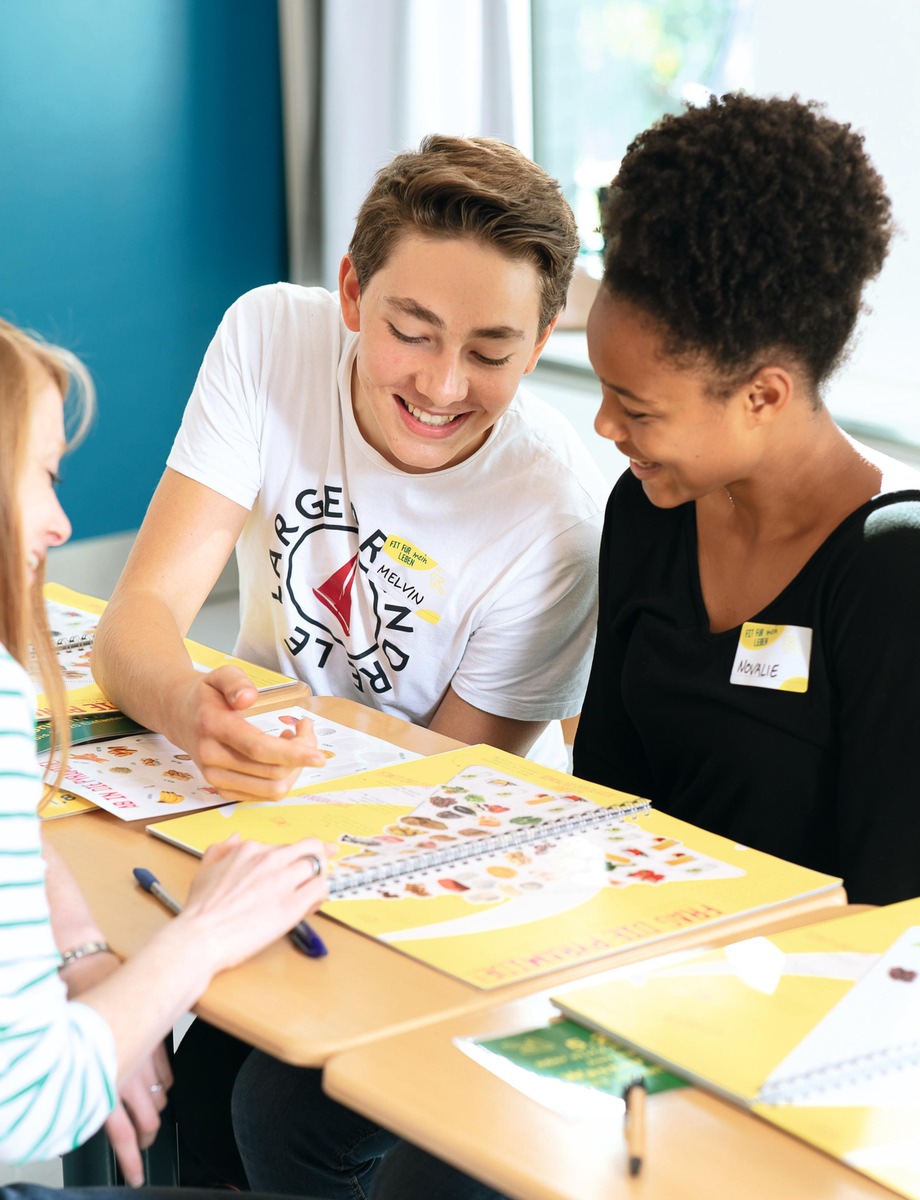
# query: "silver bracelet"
84,951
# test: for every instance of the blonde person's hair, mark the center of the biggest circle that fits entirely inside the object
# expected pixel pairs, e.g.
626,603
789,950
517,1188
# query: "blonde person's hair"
471,187
23,620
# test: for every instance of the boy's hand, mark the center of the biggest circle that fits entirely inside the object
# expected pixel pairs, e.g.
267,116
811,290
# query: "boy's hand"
239,760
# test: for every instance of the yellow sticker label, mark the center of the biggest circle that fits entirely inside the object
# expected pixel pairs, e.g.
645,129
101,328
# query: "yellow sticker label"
777,657
407,555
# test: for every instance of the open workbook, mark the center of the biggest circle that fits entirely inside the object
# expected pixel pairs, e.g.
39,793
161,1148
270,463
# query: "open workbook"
494,869
817,1030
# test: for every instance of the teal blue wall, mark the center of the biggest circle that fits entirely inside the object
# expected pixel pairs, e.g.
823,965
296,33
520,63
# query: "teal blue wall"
141,191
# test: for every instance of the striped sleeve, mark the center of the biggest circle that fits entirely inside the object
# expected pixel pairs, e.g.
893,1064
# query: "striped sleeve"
57,1057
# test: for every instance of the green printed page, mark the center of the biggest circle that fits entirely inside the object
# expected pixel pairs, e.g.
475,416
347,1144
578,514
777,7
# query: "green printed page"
566,1051
88,729
569,1069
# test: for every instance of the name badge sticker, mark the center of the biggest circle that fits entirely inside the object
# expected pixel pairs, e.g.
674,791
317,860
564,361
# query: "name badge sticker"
773,656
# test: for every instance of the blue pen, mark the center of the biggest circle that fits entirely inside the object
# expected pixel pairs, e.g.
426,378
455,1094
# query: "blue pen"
302,936
306,938
151,884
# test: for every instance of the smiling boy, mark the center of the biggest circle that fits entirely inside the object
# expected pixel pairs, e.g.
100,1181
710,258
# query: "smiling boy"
412,531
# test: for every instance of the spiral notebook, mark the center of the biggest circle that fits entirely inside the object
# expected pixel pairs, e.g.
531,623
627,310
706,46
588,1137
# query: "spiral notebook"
495,869
816,1030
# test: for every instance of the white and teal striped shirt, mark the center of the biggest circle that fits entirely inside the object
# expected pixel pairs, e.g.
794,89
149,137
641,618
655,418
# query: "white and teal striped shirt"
57,1057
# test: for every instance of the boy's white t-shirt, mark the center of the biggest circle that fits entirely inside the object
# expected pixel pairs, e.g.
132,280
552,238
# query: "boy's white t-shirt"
377,584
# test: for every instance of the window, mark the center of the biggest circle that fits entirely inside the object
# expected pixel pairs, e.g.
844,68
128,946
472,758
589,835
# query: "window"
604,69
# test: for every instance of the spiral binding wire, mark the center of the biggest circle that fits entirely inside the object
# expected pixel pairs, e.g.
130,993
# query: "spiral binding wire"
493,844
839,1074
73,641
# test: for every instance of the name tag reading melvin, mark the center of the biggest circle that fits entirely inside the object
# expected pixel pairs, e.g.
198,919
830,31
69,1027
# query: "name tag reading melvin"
773,656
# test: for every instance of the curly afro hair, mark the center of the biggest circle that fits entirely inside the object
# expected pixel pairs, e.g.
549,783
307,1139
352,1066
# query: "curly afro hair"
748,225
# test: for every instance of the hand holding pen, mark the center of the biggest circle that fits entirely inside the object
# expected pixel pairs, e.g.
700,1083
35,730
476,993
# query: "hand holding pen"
248,894
302,935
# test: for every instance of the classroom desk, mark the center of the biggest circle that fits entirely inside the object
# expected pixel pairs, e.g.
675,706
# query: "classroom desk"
421,1086
299,1009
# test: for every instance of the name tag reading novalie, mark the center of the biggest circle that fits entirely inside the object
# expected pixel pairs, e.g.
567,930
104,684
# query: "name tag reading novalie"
773,656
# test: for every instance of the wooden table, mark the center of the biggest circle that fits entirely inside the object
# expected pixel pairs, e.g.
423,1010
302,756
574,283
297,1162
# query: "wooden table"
298,1009
422,1086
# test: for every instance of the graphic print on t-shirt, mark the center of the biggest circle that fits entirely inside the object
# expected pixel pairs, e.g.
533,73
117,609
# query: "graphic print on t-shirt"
346,595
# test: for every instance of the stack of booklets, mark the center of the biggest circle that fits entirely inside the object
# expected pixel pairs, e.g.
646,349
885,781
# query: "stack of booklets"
816,1030
495,869
72,618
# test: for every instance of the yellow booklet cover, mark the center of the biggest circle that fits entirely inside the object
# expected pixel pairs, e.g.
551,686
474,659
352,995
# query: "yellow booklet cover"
816,1030
495,869
73,616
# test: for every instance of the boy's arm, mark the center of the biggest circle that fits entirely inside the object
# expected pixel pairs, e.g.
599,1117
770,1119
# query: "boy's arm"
141,664
457,719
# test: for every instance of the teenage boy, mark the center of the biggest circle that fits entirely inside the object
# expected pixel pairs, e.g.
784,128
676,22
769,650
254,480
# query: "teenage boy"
411,530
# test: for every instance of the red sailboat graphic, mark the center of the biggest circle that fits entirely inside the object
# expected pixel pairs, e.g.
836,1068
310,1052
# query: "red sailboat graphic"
335,593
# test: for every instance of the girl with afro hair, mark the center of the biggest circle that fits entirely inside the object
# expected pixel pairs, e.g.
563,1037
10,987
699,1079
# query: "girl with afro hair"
757,667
